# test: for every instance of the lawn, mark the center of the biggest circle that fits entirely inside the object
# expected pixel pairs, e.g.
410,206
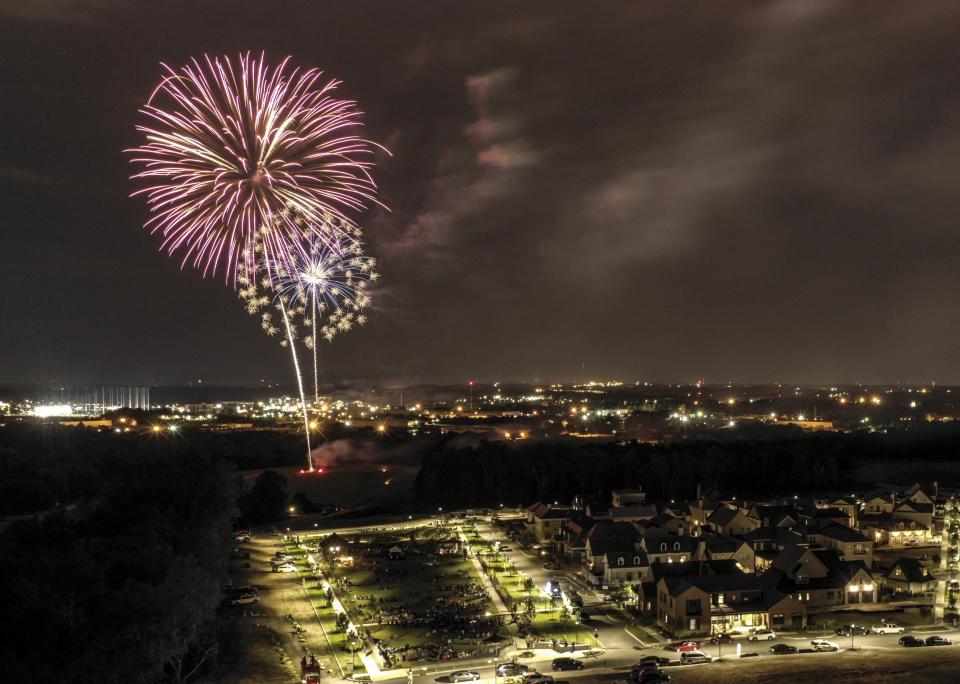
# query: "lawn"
424,599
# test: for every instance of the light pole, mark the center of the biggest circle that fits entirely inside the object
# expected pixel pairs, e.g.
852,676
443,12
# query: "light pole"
852,631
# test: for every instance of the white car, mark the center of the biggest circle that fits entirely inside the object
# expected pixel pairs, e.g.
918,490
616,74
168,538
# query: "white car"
824,645
287,567
465,676
243,600
887,628
759,634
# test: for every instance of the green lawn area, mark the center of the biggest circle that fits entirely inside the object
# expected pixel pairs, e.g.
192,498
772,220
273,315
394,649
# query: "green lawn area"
376,589
643,634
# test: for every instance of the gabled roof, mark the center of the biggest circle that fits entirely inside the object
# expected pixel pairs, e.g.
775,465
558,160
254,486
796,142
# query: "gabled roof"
780,535
647,511
908,506
840,533
773,515
612,536
912,570
632,558
653,539
723,516
737,581
722,544
726,566
829,512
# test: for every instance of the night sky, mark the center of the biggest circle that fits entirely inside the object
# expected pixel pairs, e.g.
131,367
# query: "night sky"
746,191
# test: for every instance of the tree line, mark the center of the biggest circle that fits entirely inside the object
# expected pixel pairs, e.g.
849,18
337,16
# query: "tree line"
510,473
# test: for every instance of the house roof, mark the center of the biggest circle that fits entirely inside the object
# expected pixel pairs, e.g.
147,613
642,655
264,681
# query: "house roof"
828,512
840,533
723,516
737,581
912,570
725,566
773,515
913,506
722,544
780,535
647,511
652,540
632,558
612,536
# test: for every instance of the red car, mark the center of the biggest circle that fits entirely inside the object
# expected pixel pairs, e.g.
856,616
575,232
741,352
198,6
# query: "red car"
687,646
721,639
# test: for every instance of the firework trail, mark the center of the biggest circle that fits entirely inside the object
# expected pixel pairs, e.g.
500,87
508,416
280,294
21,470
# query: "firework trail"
231,142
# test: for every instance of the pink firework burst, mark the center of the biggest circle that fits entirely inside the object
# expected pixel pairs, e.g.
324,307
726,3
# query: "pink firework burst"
233,144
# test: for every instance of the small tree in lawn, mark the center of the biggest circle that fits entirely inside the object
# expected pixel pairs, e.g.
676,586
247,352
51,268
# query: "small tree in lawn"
342,622
528,585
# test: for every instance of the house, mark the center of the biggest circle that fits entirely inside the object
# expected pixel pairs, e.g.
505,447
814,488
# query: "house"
914,511
626,567
667,523
910,576
770,515
768,542
884,531
847,504
545,521
819,578
722,547
879,503
826,515
632,513
919,494
573,537
731,521
607,539
667,548
700,510
709,604
850,544
627,497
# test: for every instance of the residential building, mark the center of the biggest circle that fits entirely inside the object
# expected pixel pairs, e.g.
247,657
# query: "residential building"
849,544
709,604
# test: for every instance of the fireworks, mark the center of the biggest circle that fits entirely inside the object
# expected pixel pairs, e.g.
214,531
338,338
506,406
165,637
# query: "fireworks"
255,170
319,290
233,144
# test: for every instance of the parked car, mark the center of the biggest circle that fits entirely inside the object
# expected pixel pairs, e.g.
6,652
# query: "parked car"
651,676
243,599
682,646
242,538
758,634
911,641
855,630
537,678
721,639
652,660
690,657
824,645
285,567
567,664
887,628
783,649
464,676
513,669
937,640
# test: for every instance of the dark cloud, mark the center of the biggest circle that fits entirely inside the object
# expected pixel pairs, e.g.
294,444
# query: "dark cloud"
732,190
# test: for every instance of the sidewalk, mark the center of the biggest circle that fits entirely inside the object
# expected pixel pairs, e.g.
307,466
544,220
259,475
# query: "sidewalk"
484,580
